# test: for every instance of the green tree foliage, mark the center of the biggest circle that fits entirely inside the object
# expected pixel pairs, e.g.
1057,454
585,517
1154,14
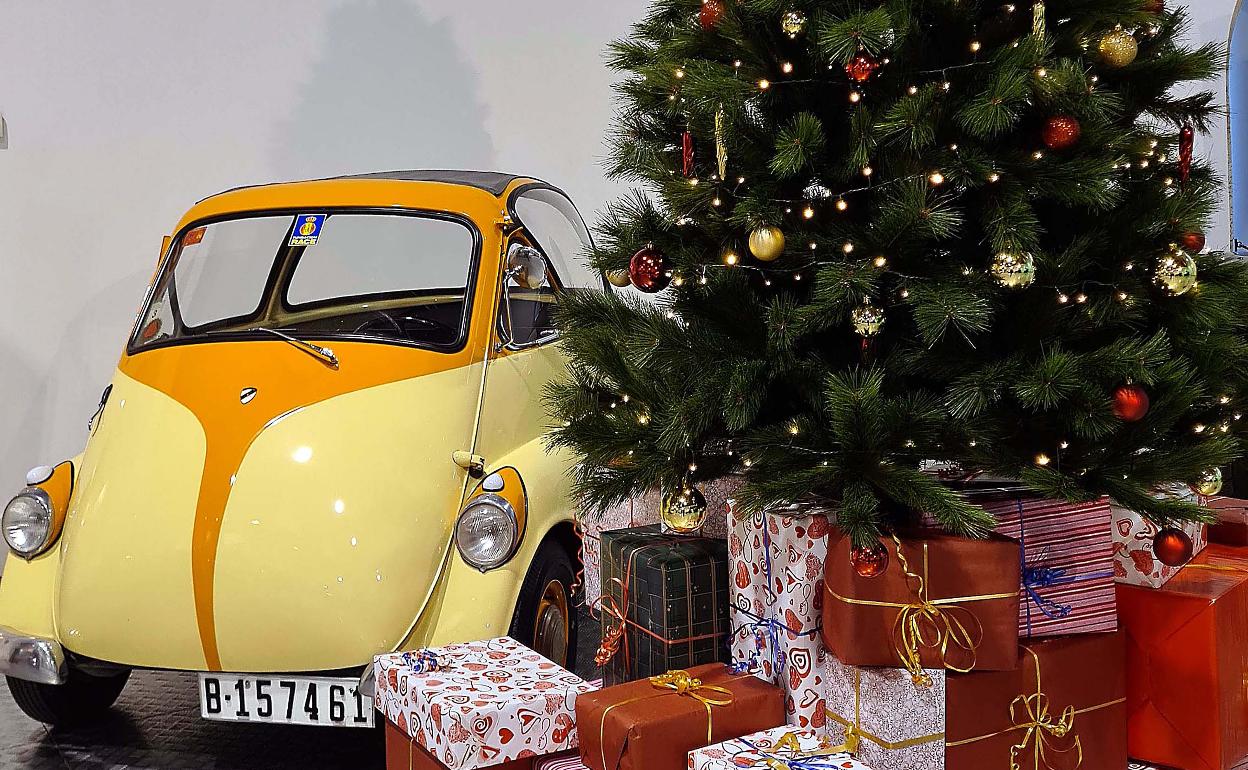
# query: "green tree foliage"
899,192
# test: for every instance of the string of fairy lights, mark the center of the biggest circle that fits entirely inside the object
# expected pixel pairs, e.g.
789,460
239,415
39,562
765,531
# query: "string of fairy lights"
1175,271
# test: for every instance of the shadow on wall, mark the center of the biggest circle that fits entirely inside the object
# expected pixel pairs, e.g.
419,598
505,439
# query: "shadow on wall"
390,90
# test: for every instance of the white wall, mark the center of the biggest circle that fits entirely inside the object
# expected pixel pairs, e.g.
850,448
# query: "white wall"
1212,22
122,114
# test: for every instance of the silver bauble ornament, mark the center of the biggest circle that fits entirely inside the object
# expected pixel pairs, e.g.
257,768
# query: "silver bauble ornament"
1176,271
868,319
1014,271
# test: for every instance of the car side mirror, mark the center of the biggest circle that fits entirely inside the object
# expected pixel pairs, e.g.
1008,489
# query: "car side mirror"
526,266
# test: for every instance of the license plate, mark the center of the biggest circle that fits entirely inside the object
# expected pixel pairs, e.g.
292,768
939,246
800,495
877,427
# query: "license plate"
289,700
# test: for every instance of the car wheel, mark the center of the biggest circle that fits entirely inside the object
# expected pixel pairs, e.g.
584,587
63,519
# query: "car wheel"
544,618
84,698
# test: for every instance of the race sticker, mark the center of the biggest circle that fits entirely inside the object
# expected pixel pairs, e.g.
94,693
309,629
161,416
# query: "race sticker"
307,229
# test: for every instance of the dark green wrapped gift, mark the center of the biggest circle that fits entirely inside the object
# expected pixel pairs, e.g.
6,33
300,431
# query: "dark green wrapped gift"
665,602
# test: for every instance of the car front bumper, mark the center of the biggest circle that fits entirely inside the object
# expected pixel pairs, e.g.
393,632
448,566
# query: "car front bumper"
31,658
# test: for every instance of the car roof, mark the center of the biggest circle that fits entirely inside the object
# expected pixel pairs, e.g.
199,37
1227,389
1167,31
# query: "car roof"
493,182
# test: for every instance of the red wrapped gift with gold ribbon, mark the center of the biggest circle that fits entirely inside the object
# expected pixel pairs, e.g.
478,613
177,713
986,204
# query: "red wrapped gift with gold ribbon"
652,724
1063,708
940,602
1187,654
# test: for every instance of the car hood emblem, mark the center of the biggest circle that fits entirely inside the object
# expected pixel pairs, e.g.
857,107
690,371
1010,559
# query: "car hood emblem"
247,395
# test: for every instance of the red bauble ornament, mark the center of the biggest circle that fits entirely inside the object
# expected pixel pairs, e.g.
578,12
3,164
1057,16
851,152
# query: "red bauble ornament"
1154,6
711,13
1193,242
1061,132
648,271
869,562
1130,403
686,155
1173,547
1187,140
862,67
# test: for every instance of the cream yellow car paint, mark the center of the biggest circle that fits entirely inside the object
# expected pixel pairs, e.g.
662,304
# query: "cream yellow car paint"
337,524
119,598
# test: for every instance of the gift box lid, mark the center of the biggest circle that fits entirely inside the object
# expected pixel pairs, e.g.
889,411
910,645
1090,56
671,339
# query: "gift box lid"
474,704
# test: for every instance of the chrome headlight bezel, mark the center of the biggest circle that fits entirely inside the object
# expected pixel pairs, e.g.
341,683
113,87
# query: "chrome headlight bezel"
44,516
502,511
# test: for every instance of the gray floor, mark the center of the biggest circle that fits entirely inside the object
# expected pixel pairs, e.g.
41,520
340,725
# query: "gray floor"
156,724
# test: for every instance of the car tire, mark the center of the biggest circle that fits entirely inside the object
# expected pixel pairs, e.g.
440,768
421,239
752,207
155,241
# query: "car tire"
83,699
545,617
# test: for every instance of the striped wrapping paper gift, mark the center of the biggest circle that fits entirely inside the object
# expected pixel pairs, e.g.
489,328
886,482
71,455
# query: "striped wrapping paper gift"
1068,564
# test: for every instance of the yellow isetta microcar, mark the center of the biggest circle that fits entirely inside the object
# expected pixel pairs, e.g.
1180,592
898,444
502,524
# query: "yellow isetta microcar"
324,441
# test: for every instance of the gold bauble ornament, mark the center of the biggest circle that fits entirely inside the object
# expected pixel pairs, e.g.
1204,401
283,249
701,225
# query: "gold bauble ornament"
1118,48
1208,483
1176,271
767,243
868,319
618,278
1014,271
793,23
683,510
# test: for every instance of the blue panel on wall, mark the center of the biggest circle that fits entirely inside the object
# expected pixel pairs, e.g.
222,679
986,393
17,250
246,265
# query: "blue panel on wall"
1237,104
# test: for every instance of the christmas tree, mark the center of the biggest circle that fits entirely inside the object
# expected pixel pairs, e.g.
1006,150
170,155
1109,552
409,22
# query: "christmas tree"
889,234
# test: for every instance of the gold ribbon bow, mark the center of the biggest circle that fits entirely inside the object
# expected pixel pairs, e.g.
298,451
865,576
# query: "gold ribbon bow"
1031,714
682,684
925,625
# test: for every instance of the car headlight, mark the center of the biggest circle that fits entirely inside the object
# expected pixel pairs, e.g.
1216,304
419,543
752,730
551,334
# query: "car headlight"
27,522
487,532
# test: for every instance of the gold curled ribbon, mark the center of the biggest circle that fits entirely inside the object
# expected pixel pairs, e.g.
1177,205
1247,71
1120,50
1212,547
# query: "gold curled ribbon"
788,750
854,734
935,624
680,683
1040,731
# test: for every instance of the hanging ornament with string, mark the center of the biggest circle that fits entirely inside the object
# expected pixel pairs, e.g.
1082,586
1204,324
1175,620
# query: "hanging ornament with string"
710,14
1061,132
1014,271
683,510
1130,402
648,270
686,154
1118,48
767,243
1038,25
1187,142
1172,546
1208,483
870,561
1176,271
868,319
793,23
1193,241
721,143
862,66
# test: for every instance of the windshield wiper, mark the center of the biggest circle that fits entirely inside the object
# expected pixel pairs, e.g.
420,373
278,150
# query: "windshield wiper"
324,354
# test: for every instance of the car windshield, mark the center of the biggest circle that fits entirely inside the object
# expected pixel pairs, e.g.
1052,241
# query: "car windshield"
389,277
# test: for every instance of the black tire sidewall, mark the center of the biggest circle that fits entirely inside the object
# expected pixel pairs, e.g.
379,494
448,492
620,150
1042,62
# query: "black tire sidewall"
551,562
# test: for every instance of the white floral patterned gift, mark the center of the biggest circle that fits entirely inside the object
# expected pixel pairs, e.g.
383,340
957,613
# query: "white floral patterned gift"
1135,559
480,704
779,747
776,568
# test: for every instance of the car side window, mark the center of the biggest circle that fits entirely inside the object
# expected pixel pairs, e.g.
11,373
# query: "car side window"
530,311
558,232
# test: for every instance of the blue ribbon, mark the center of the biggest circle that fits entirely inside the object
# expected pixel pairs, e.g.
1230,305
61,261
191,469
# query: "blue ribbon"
1039,575
762,626
794,762
422,661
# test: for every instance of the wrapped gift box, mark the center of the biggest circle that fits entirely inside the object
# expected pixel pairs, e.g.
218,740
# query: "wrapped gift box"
779,747
482,705
639,511
1232,525
1067,564
1186,661
665,602
962,594
652,724
1135,562
1066,699
777,562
